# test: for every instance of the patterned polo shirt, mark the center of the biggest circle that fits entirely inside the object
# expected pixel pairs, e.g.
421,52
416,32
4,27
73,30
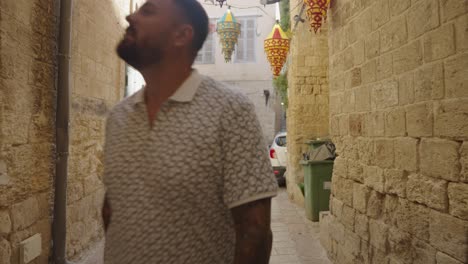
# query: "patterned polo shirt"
171,186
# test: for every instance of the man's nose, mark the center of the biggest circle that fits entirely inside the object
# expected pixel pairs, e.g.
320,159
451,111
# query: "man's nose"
129,18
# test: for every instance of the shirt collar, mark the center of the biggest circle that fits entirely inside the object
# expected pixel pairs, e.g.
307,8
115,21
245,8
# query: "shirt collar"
183,94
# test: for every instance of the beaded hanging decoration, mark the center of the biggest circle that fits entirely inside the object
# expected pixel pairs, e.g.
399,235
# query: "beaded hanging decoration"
228,30
276,47
316,12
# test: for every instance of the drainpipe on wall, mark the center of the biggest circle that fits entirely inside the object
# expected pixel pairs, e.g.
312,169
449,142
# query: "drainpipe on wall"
59,226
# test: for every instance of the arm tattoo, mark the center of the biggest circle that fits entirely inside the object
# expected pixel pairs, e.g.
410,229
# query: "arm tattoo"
106,213
253,232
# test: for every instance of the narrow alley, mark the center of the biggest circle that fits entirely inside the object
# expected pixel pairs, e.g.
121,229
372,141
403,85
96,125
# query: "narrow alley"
378,88
295,238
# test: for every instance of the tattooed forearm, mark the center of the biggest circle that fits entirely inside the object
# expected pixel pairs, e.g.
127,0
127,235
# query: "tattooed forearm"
253,249
253,233
106,213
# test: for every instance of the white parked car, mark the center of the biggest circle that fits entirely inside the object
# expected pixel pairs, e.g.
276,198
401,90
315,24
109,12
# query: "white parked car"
279,157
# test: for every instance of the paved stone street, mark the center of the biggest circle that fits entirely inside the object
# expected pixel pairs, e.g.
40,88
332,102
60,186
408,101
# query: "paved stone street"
94,256
296,239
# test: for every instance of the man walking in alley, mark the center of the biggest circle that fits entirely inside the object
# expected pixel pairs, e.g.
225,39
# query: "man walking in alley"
186,171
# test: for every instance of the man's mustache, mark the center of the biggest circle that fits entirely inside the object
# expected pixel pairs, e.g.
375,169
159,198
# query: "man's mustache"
130,30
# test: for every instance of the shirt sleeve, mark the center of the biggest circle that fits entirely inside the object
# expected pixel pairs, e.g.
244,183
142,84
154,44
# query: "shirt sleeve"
247,171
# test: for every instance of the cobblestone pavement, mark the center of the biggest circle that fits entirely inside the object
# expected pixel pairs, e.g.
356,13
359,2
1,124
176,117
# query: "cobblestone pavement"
295,238
93,256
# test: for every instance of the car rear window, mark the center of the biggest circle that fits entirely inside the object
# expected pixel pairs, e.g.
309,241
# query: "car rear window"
281,141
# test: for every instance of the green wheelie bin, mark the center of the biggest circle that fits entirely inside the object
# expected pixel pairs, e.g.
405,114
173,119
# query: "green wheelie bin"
314,144
317,183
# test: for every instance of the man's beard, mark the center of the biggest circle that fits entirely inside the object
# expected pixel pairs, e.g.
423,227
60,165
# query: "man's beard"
137,57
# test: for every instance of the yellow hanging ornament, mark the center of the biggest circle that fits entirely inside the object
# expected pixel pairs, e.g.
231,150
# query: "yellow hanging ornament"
276,47
316,12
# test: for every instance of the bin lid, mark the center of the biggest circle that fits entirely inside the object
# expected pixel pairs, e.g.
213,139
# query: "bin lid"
315,141
311,162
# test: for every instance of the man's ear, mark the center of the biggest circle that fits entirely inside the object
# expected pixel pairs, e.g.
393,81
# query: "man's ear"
183,36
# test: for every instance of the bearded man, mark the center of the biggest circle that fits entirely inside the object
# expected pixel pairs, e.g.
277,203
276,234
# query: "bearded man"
187,175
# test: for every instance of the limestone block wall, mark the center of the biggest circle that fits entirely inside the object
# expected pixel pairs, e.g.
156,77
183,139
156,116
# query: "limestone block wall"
98,83
308,95
399,118
28,45
27,113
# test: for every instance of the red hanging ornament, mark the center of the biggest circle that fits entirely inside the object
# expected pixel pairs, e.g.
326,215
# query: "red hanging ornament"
316,12
276,47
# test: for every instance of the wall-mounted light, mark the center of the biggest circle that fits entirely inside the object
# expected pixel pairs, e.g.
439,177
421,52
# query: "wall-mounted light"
268,2
266,93
297,18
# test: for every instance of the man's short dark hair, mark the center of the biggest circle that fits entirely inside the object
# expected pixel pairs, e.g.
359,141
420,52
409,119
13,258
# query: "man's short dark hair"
197,17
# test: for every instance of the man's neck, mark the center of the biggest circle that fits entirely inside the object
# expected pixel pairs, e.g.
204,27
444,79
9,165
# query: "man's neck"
162,81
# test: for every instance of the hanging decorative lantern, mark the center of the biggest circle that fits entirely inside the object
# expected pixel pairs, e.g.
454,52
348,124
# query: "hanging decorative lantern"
276,48
221,2
228,31
316,12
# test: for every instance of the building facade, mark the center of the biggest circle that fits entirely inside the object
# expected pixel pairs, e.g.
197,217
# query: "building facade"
308,92
397,110
399,118
249,70
28,66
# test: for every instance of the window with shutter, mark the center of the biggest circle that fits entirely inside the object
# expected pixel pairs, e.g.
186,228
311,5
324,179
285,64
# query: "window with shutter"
245,50
207,53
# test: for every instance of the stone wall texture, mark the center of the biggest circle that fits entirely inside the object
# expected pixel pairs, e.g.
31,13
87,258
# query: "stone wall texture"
27,115
308,93
28,46
399,118
98,83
